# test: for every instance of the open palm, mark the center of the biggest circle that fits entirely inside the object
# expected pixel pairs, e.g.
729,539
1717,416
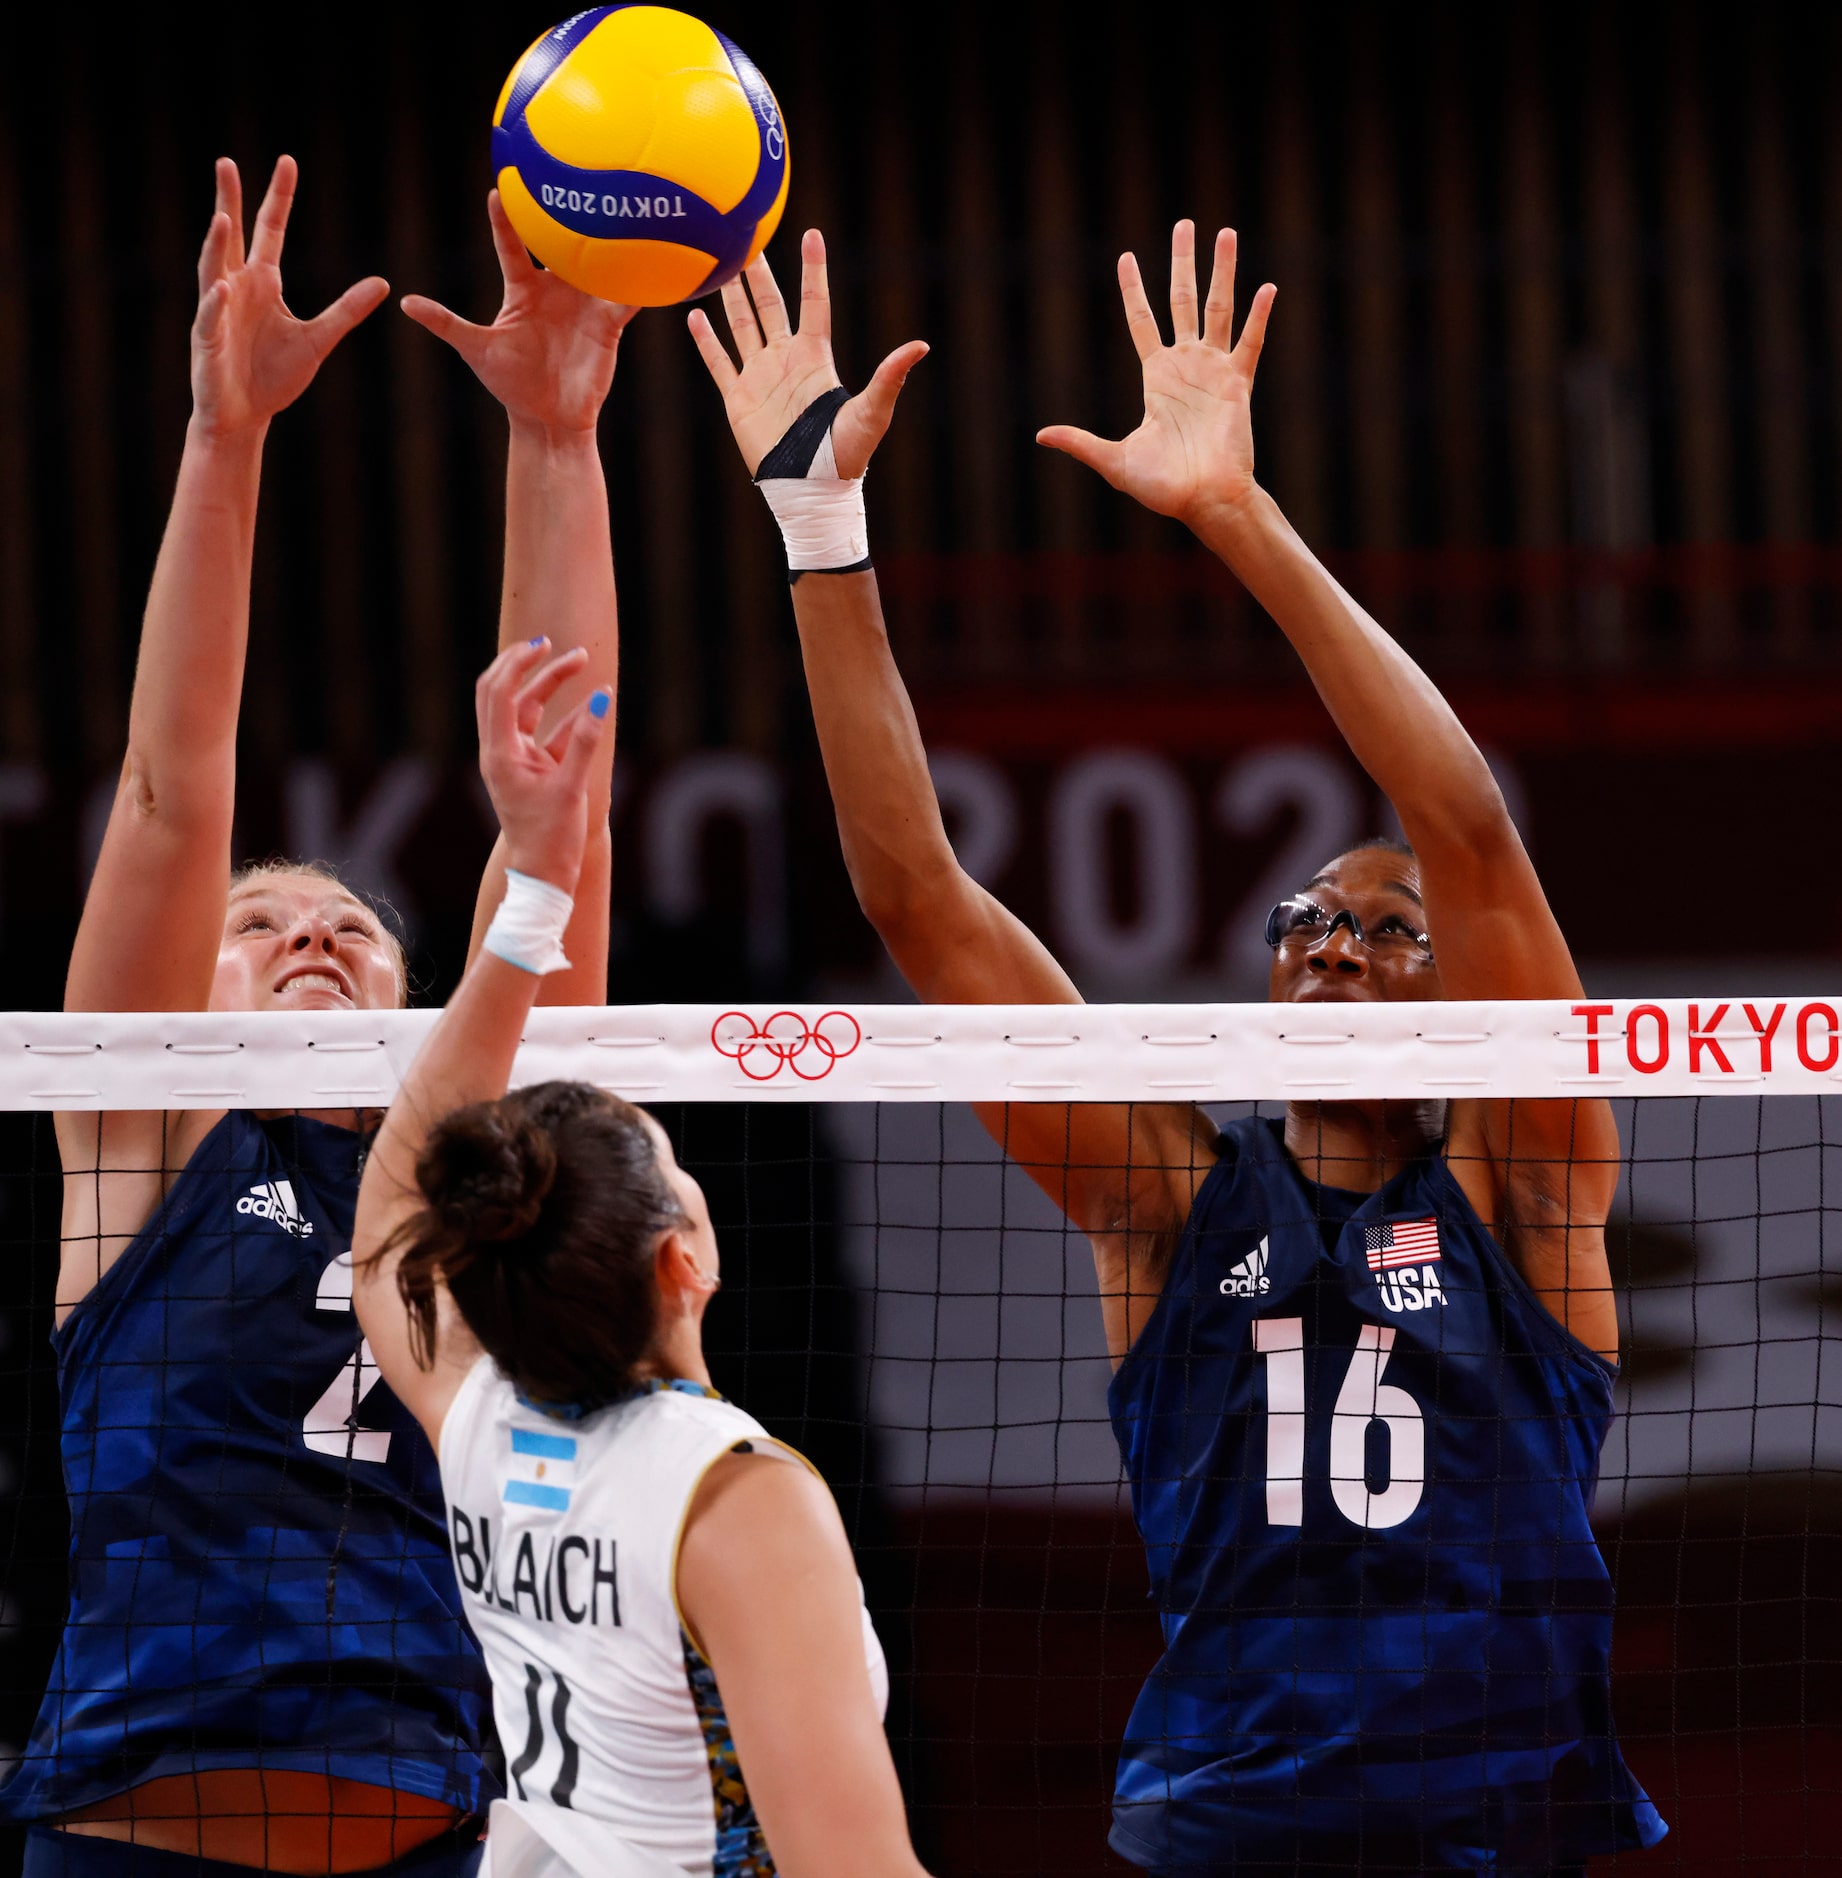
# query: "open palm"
1194,451
784,371
250,356
549,356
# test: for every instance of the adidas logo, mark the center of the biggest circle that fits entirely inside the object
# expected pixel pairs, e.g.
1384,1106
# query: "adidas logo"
274,1200
1248,1279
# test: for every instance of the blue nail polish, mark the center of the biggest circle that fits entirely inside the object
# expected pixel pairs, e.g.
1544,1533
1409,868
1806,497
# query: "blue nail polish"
598,704
539,640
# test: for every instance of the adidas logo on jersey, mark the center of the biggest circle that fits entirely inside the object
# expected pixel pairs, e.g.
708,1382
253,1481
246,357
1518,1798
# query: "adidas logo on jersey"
1248,1279
274,1200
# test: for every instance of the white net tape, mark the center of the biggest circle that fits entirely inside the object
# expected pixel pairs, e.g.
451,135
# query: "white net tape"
955,1053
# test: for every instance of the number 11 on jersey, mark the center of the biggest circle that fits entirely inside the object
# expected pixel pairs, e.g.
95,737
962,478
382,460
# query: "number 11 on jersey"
1363,1399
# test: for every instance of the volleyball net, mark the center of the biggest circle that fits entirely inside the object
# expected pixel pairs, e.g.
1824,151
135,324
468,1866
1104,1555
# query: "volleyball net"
909,1309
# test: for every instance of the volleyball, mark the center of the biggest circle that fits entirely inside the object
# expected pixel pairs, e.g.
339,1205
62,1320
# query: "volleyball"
640,155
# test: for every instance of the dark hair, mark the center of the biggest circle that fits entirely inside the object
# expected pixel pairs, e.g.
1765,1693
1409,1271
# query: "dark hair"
1389,844
543,1212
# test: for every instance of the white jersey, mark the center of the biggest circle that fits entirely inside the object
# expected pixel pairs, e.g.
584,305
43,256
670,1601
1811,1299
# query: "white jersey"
565,1537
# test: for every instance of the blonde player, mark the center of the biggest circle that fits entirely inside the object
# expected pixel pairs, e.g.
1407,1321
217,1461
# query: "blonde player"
265,1664
684,1676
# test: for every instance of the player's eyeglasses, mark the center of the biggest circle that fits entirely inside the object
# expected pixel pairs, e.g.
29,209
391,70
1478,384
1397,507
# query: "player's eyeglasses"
1304,922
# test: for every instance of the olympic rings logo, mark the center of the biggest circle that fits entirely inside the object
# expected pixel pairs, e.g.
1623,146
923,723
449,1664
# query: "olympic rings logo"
785,1041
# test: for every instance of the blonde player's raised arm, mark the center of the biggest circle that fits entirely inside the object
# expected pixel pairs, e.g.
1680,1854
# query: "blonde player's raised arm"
549,358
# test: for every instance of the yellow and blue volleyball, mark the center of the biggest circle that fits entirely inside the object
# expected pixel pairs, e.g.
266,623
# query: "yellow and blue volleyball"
640,154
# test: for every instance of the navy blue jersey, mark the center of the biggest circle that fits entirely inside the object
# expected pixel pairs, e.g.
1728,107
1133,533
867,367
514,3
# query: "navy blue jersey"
1362,1457
259,1564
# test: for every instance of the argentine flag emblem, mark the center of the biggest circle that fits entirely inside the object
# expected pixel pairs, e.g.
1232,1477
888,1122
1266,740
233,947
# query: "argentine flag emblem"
543,1470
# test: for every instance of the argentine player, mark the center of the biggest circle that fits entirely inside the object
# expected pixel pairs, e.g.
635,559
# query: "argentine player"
685,1679
265,1663
1364,1356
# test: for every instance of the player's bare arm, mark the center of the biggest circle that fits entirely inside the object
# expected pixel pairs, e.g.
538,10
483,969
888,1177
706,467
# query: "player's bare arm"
154,917
539,775
549,358
1124,1174
1542,1173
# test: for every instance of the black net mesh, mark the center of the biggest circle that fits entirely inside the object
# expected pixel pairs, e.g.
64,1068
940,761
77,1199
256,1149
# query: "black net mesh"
914,1315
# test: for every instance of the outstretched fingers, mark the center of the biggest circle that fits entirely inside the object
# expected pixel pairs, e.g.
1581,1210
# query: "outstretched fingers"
814,286
1097,453
712,350
272,218
358,302
230,203
770,308
1253,332
1218,312
462,335
515,263
214,256
1141,322
863,423
1183,320
744,328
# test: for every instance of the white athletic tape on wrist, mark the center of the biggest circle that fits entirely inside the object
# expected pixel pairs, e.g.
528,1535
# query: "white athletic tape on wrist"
527,931
821,513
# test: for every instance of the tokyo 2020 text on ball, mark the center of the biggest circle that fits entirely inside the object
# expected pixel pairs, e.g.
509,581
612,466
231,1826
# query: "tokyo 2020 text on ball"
640,154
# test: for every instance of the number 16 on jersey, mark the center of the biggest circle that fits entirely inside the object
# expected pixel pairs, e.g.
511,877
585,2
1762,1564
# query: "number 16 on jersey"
1362,1400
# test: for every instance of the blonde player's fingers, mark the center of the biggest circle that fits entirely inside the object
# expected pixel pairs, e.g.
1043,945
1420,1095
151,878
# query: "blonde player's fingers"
1141,322
358,302
272,218
1183,319
814,286
214,256
230,203
209,320
1218,311
515,263
463,335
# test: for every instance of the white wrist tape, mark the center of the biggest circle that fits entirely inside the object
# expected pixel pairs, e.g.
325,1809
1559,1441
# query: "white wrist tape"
527,931
820,513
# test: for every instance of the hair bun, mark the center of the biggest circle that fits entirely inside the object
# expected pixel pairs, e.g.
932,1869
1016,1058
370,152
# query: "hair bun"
487,1176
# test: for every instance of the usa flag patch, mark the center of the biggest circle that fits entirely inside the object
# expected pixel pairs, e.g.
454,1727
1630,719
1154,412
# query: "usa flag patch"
1401,1242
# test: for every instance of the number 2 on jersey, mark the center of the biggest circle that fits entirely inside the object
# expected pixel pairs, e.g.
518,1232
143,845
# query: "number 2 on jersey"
330,1425
1363,1398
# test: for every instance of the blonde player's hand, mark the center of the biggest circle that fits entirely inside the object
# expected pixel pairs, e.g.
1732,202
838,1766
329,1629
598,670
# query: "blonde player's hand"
549,356
539,790
783,371
1193,455
250,356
